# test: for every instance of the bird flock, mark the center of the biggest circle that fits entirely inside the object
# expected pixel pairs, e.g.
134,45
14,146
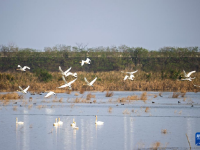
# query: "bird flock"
65,74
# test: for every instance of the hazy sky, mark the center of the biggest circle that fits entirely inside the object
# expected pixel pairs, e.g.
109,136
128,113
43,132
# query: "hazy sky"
151,24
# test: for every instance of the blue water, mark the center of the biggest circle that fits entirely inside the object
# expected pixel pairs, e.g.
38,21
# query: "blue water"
125,127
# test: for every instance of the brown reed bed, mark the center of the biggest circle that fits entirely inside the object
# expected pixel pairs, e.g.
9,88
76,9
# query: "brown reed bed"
89,96
176,95
147,109
9,96
109,81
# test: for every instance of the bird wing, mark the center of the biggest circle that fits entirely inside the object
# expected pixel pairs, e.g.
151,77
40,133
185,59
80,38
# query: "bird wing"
184,73
188,75
132,72
25,90
125,77
21,88
61,70
68,74
64,79
93,81
86,80
132,76
48,94
82,63
72,81
88,60
67,70
25,67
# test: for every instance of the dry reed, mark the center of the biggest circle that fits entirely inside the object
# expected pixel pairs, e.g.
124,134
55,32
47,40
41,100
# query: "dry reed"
175,95
164,131
76,94
109,94
188,141
110,109
147,109
144,96
9,96
126,111
156,145
15,108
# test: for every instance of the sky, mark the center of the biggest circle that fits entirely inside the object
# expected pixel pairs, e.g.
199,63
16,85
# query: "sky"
151,24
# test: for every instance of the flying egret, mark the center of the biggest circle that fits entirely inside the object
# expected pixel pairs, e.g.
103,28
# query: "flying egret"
23,69
131,73
188,78
64,73
72,74
129,77
25,90
50,93
87,61
196,85
189,74
67,84
90,83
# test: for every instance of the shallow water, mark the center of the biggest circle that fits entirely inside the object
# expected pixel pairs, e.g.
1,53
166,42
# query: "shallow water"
125,127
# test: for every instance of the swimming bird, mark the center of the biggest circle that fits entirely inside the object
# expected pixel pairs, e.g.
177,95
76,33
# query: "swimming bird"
189,74
90,83
67,84
60,122
73,124
87,61
24,68
131,73
19,121
98,122
25,90
129,77
56,123
50,93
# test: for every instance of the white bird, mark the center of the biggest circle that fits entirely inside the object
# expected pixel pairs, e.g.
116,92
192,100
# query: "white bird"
50,93
87,61
98,122
73,124
196,85
60,122
25,90
23,69
72,74
90,83
189,74
131,73
67,84
64,73
188,78
56,123
129,77
19,121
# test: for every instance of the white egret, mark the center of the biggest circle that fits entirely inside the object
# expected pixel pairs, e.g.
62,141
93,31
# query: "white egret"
56,123
196,85
189,74
73,124
98,122
90,83
24,68
129,77
67,84
87,61
188,78
131,73
64,73
60,122
50,93
25,90
72,74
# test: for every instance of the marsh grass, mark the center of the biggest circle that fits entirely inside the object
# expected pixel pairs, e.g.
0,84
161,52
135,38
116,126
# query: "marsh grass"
60,100
147,109
156,145
143,96
89,96
9,96
155,96
126,112
109,81
109,94
110,109
175,94
82,90
76,94
30,106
